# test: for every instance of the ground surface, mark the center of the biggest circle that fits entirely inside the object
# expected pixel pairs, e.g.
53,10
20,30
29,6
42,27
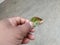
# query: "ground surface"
46,34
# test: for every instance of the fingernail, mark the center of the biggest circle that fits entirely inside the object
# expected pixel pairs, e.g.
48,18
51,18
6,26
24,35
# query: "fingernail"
31,23
27,20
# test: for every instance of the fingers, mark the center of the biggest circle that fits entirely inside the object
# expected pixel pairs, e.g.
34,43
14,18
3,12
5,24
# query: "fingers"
25,41
24,26
17,21
32,30
28,38
31,36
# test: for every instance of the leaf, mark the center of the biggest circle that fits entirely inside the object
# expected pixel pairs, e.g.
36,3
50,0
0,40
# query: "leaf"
36,21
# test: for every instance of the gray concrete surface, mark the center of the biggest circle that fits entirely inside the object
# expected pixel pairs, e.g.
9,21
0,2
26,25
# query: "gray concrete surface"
46,34
2,1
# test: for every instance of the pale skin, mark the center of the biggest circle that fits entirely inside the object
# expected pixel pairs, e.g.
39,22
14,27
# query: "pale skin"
16,31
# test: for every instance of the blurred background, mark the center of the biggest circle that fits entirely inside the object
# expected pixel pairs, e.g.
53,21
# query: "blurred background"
47,33
2,1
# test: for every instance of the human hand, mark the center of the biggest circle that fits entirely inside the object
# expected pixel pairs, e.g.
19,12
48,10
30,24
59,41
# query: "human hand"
15,31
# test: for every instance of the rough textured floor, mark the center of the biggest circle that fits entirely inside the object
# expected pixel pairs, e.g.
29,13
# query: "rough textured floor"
46,34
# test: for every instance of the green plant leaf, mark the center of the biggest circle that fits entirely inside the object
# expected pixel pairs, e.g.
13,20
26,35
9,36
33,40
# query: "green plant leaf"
36,21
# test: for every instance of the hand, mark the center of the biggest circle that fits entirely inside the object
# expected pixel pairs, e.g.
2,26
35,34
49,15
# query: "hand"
15,31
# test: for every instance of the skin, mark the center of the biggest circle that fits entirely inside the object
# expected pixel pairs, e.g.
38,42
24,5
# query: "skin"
16,31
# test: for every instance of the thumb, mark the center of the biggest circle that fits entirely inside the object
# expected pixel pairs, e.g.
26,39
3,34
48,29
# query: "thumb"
25,28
